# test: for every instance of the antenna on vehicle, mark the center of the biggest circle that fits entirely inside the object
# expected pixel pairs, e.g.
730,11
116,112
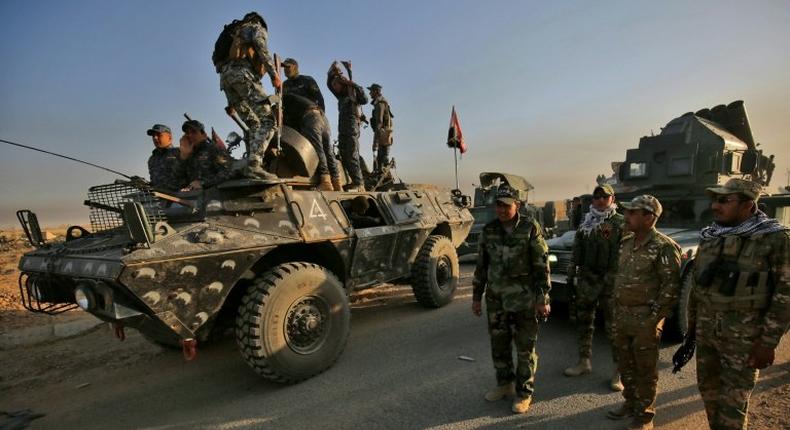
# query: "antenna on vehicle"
67,157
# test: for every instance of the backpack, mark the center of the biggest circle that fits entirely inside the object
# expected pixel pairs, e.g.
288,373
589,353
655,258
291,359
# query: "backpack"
222,45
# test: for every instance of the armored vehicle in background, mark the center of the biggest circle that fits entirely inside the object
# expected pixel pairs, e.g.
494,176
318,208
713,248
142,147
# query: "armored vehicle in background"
484,206
694,151
275,260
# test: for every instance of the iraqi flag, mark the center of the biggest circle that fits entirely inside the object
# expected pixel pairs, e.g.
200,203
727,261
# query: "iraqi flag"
455,137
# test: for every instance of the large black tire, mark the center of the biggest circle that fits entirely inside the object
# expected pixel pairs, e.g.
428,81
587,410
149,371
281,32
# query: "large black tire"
435,273
293,323
678,323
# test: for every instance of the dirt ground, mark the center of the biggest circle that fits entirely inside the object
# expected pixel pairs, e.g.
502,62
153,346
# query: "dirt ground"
32,367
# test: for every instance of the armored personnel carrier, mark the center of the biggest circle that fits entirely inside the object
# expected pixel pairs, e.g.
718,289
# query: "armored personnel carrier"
484,205
275,260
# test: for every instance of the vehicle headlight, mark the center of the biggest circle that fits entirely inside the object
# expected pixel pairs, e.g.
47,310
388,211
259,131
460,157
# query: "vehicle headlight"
84,298
552,258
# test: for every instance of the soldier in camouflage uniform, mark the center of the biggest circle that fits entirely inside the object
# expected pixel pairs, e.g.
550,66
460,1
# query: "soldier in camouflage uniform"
240,79
512,271
740,304
646,289
593,265
350,97
381,123
205,164
302,92
164,165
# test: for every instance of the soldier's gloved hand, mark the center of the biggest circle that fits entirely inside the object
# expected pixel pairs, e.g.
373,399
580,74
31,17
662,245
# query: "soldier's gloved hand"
761,356
477,308
277,82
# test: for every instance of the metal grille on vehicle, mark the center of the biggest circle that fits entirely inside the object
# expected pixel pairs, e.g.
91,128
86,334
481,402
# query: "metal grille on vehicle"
106,203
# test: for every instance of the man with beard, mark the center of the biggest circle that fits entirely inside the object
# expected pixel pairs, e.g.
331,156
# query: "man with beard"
646,289
593,266
741,300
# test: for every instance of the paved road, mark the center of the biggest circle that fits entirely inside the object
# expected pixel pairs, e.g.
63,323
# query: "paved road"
400,370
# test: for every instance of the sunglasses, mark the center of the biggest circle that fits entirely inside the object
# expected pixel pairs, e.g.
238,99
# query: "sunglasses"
723,200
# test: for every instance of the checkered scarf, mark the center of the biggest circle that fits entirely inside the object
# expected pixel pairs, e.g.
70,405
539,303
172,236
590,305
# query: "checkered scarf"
757,224
595,218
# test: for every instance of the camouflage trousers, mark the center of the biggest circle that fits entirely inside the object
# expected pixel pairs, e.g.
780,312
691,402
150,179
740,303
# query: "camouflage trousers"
315,128
724,341
636,338
349,155
245,95
592,292
506,328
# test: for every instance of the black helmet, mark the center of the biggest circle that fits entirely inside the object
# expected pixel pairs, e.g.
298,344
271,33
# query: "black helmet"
253,16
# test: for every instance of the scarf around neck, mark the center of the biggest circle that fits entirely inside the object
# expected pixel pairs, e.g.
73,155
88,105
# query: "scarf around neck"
595,218
759,223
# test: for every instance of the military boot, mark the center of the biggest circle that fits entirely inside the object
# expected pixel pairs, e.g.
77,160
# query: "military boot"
624,411
521,404
325,183
336,184
500,392
255,171
615,384
583,367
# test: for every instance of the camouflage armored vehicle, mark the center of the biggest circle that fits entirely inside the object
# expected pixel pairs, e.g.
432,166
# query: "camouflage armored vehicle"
276,260
484,205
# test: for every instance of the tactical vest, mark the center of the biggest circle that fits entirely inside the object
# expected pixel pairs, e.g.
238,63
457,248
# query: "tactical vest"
733,273
595,252
241,49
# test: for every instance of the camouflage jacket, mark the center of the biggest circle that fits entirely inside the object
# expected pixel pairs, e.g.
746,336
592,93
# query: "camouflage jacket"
597,252
166,169
760,284
648,275
512,269
381,116
305,86
250,49
208,164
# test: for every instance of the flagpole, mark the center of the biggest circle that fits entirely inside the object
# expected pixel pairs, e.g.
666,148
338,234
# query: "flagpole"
455,156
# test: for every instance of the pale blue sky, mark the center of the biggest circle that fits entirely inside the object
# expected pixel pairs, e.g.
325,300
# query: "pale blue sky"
553,91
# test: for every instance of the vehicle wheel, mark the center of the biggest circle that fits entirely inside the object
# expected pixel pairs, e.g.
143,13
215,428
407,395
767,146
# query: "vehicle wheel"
293,322
678,323
435,272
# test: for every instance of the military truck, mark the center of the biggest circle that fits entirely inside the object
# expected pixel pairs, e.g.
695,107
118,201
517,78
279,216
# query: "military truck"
484,206
275,260
692,152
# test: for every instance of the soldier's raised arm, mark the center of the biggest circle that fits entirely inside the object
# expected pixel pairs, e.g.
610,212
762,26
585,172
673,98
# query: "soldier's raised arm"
668,270
777,318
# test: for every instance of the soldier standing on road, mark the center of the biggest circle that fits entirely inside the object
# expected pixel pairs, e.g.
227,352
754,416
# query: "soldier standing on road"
381,123
593,266
350,97
302,90
164,165
512,270
741,300
241,70
205,164
646,288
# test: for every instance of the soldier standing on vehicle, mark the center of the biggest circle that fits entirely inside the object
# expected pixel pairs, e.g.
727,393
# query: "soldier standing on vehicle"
741,300
512,270
303,91
593,266
381,123
350,97
205,164
646,288
164,165
241,57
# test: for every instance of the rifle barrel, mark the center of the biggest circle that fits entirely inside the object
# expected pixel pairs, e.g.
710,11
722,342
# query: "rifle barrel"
66,157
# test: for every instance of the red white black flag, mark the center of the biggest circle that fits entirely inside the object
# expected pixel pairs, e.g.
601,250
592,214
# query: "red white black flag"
455,137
